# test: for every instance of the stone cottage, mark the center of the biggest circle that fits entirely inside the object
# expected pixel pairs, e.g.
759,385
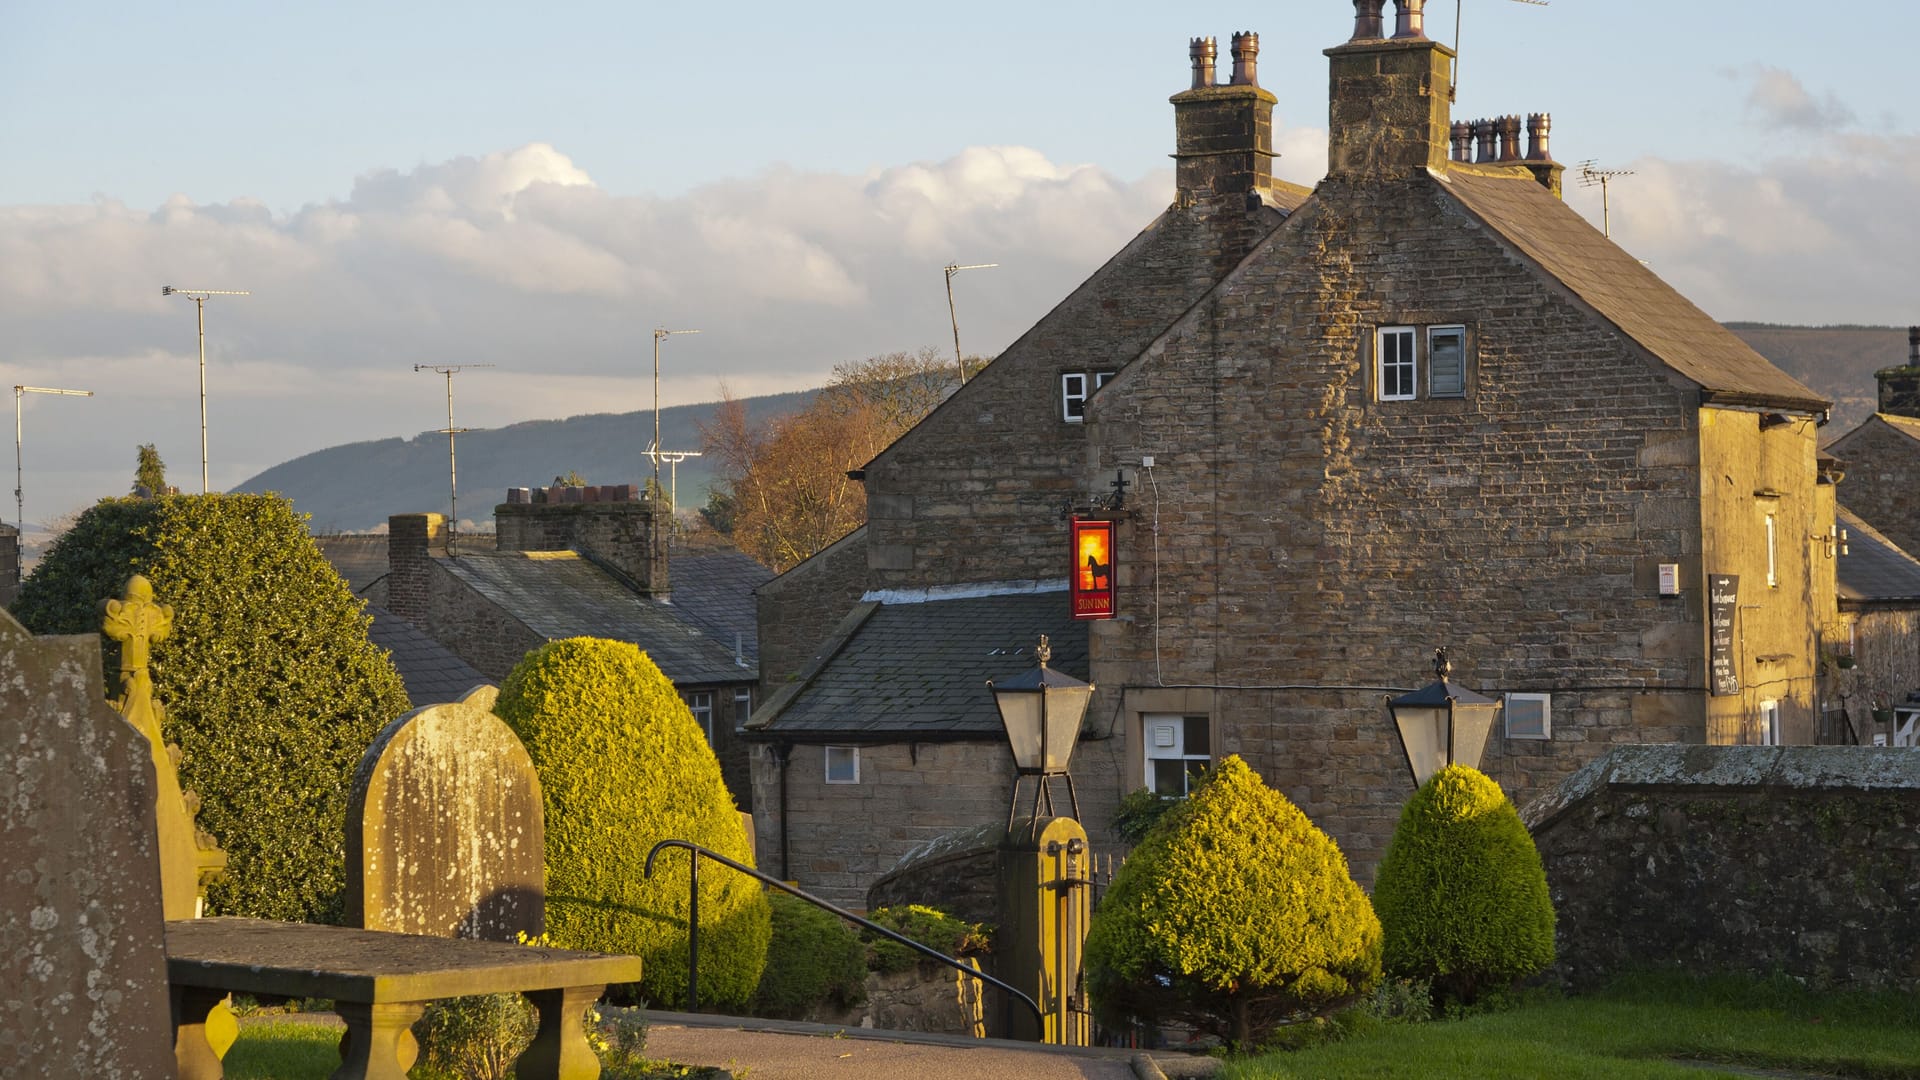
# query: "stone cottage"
1424,404
570,568
1883,454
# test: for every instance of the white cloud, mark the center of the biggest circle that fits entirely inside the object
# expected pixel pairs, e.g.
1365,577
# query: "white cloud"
1777,99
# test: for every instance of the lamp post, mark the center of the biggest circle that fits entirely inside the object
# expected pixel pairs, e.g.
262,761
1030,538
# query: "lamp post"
1041,711
953,269
199,298
453,485
1441,723
658,333
20,499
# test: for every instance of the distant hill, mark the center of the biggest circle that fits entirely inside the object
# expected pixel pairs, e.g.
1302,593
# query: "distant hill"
358,485
1837,361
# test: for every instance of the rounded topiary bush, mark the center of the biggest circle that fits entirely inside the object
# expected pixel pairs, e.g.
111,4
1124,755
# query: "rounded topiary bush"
623,765
1233,913
1461,893
816,960
271,688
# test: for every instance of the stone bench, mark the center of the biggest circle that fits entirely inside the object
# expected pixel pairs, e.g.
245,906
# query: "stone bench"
380,983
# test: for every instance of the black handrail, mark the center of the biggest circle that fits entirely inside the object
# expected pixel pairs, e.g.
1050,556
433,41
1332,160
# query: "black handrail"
693,925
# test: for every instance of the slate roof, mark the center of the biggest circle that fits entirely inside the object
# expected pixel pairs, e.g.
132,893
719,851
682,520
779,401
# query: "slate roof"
1633,298
360,558
432,674
559,594
714,591
1874,570
897,671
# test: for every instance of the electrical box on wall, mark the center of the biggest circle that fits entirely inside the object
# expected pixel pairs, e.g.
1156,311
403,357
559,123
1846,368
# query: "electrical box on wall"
1669,579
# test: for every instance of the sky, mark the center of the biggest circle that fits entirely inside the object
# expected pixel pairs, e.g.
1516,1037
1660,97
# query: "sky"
536,189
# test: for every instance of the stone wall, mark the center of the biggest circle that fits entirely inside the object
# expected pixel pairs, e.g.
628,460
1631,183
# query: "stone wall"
798,608
473,627
412,542
1882,482
1759,860
958,872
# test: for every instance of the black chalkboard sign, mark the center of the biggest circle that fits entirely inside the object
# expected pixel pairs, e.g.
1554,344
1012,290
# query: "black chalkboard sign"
1723,603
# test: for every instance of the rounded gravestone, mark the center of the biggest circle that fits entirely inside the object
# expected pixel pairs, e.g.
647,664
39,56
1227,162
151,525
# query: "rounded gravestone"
445,833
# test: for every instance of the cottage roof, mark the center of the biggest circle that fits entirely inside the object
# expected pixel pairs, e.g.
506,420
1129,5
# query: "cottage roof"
1626,293
359,558
559,594
714,591
919,670
432,675
1874,570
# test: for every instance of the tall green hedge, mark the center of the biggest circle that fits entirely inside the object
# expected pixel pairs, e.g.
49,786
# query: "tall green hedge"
270,685
1461,892
623,765
1233,913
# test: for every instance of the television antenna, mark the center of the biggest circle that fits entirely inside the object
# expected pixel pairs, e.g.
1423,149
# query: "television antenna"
673,458
1453,91
453,493
1590,176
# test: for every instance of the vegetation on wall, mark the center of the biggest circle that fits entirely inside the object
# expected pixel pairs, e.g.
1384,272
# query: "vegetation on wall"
623,765
270,686
1234,913
1461,893
816,960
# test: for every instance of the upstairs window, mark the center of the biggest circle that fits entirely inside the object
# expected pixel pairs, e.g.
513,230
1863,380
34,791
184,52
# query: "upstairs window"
1179,749
1075,388
700,702
1446,361
1398,366
1404,355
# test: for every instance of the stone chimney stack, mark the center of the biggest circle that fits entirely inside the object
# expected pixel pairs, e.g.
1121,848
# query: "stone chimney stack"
612,525
412,542
1389,114
1900,386
1223,135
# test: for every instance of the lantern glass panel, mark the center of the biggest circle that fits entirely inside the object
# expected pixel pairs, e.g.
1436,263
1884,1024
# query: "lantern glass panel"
1066,707
1471,725
1423,732
1020,714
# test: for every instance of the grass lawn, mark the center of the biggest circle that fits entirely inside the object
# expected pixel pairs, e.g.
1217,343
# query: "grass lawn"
284,1051
1647,1027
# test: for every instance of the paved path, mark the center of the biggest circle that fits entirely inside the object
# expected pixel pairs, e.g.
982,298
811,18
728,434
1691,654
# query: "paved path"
775,1050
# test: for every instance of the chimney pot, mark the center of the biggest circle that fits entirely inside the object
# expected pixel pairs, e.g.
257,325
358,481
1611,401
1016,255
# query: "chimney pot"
1367,24
1246,57
1510,138
1538,127
1483,137
1410,20
1203,52
1462,139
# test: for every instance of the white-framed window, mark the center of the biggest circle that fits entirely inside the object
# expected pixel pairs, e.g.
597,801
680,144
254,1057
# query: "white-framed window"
1446,361
1178,749
742,705
1770,723
1396,363
1529,716
843,764
700,702
1075,388
1773,564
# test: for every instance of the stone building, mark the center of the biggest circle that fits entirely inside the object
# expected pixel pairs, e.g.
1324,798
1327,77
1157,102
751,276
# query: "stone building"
1424,405
1883,454
563,569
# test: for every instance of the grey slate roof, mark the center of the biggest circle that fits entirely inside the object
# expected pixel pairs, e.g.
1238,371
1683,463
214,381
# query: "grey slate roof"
900,671
360,558
1645,308
558,594
714,591
432,675
1874,569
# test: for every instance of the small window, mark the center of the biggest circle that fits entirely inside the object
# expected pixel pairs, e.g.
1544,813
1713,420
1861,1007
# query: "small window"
843,764
1770,723
1773,565
1179,749
1446,361
1075,388
1529,716
742,706
1396,364
700,702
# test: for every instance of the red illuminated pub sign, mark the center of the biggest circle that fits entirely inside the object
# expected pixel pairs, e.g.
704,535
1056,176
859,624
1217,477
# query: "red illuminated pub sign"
1092,589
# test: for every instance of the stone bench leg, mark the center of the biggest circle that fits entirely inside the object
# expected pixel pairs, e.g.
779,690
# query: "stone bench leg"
379,1042
193,1055
560,1050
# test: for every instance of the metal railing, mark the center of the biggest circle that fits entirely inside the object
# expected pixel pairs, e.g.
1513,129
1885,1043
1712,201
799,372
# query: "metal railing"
693,925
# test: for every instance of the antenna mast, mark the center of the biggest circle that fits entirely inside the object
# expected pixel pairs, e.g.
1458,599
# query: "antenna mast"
1589,176
453,485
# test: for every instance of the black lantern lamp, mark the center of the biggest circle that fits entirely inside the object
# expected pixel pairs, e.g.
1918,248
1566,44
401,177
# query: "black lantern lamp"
1442,724
1041,710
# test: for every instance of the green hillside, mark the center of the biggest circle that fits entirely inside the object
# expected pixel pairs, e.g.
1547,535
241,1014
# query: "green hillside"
356,486
1837,361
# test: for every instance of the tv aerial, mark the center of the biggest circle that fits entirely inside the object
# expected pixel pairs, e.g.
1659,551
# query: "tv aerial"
1453,91
1589,177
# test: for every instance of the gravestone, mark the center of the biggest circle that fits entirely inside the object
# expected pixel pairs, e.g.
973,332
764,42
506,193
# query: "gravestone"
445,832
83,967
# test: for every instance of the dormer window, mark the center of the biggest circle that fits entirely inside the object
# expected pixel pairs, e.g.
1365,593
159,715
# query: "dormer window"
1400,353
1075,388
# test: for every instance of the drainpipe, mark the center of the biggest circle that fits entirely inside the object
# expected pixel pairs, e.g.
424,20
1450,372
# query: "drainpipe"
781,752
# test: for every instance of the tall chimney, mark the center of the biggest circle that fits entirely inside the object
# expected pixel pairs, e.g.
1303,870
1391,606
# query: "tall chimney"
412,542
1900,386
1389,114
1223,135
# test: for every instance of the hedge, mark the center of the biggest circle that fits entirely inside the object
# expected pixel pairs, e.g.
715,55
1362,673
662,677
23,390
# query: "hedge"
270,686
1234,913
1461,892
816,959
623,765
